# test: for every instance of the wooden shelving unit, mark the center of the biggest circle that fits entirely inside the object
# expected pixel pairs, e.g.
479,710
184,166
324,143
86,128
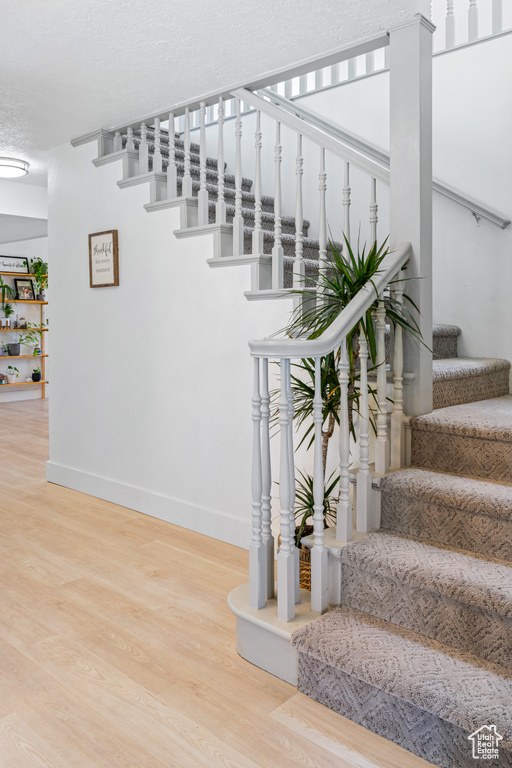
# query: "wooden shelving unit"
42,357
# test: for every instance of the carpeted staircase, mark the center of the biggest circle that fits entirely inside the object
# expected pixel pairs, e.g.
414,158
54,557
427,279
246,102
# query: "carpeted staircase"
420,651
310,247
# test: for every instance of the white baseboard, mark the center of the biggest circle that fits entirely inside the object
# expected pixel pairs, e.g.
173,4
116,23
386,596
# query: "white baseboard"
209,522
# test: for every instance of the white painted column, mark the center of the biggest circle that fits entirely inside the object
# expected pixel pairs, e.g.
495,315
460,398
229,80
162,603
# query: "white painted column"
497,17
238,222
187,178
346,202
397,457
364,476
319,580
202,196
143,150
286,563
266,482
257,234
374,212
322,220
299,268
411,187
344,509
157,154
172,173
277,250
257,563
220,212
472,21
382,442
118,141
450,24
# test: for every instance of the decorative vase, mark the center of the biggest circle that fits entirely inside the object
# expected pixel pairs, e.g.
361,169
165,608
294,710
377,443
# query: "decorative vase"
11,379
14,349
36,377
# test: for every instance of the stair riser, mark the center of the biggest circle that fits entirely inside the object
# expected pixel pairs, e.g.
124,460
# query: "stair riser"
211,177
267,224
441,618
470,389
447,525
423,734
462,455
288,246
442,346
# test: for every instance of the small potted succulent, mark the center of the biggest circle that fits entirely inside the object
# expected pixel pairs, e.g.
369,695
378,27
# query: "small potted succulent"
12,374
36,374
8,311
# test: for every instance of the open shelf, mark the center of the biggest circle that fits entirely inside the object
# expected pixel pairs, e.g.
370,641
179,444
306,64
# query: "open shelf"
29,357
20,330
23,384
20,274
25,301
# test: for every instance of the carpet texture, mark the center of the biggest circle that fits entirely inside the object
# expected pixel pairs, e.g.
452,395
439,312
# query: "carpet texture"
444,341
464,380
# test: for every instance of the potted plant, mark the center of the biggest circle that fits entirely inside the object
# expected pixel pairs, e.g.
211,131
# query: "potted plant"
40,271
12,374
8,311
36,374
6,290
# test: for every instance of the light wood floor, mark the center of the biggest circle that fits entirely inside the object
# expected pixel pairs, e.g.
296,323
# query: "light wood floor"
117,649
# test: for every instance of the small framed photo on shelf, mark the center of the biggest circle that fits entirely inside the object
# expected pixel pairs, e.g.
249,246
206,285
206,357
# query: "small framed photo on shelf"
103,259
24,289
14,264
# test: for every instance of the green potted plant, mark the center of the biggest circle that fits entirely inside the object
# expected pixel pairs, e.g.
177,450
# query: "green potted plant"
36,374
8,312
6,291
40,271
12,374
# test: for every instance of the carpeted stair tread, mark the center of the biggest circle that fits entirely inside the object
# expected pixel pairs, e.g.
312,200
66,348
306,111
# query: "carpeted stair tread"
486,419
464,380
267,219
453,685
444,340
462,493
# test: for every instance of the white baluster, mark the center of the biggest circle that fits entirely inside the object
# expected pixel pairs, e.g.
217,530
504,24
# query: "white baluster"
322,223
335,74
472,21
497,17
319,578
344,509
130,144
374,208
277,250
157,154
364,478
291,412
370,62
299,269
118,141
450,24
257,564
288,89
346,202
187,178
172,173
352,69
202,197
143,150
238,222
319,79
382,442
266,482
210,114
397,426
257,234
220,213
286,563
303,84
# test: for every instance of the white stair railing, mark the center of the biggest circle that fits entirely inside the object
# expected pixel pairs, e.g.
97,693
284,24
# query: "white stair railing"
284,350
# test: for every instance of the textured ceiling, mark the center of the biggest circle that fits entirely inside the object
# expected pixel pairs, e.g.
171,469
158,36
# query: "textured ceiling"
71,66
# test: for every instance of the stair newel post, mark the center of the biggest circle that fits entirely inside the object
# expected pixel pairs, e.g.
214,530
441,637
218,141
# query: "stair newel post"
257,564
299,270
277,250
257,235
266,482
118,141
346,201
187,178
497,16
344,508
130,144
143,150
472,21
374,212
364,478
397,425
291,413
172,173
157,155
450,24
382,442
202,196
238,222
286,562
322,225
319,578
220,213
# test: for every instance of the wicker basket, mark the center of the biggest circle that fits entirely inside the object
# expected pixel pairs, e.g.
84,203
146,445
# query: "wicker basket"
304,560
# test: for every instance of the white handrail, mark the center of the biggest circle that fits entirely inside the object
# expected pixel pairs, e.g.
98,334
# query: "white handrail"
364,149
332,337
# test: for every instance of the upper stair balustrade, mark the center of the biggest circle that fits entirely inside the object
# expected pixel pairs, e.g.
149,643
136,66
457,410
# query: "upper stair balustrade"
284,350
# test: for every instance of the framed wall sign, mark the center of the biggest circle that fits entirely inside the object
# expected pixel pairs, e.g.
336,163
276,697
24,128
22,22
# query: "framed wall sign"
103,259
14,264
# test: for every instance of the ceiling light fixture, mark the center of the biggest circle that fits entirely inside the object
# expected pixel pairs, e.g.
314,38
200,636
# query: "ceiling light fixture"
10,168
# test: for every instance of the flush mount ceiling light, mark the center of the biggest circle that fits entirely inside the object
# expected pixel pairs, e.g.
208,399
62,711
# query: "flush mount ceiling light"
11,168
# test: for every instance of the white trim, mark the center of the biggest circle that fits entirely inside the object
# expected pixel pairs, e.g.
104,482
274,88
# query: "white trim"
209,522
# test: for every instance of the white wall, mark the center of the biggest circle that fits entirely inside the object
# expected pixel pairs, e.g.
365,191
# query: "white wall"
152,380
32,249
23,200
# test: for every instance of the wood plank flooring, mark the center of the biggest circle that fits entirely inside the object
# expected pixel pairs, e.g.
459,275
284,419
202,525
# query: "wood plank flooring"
117,648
